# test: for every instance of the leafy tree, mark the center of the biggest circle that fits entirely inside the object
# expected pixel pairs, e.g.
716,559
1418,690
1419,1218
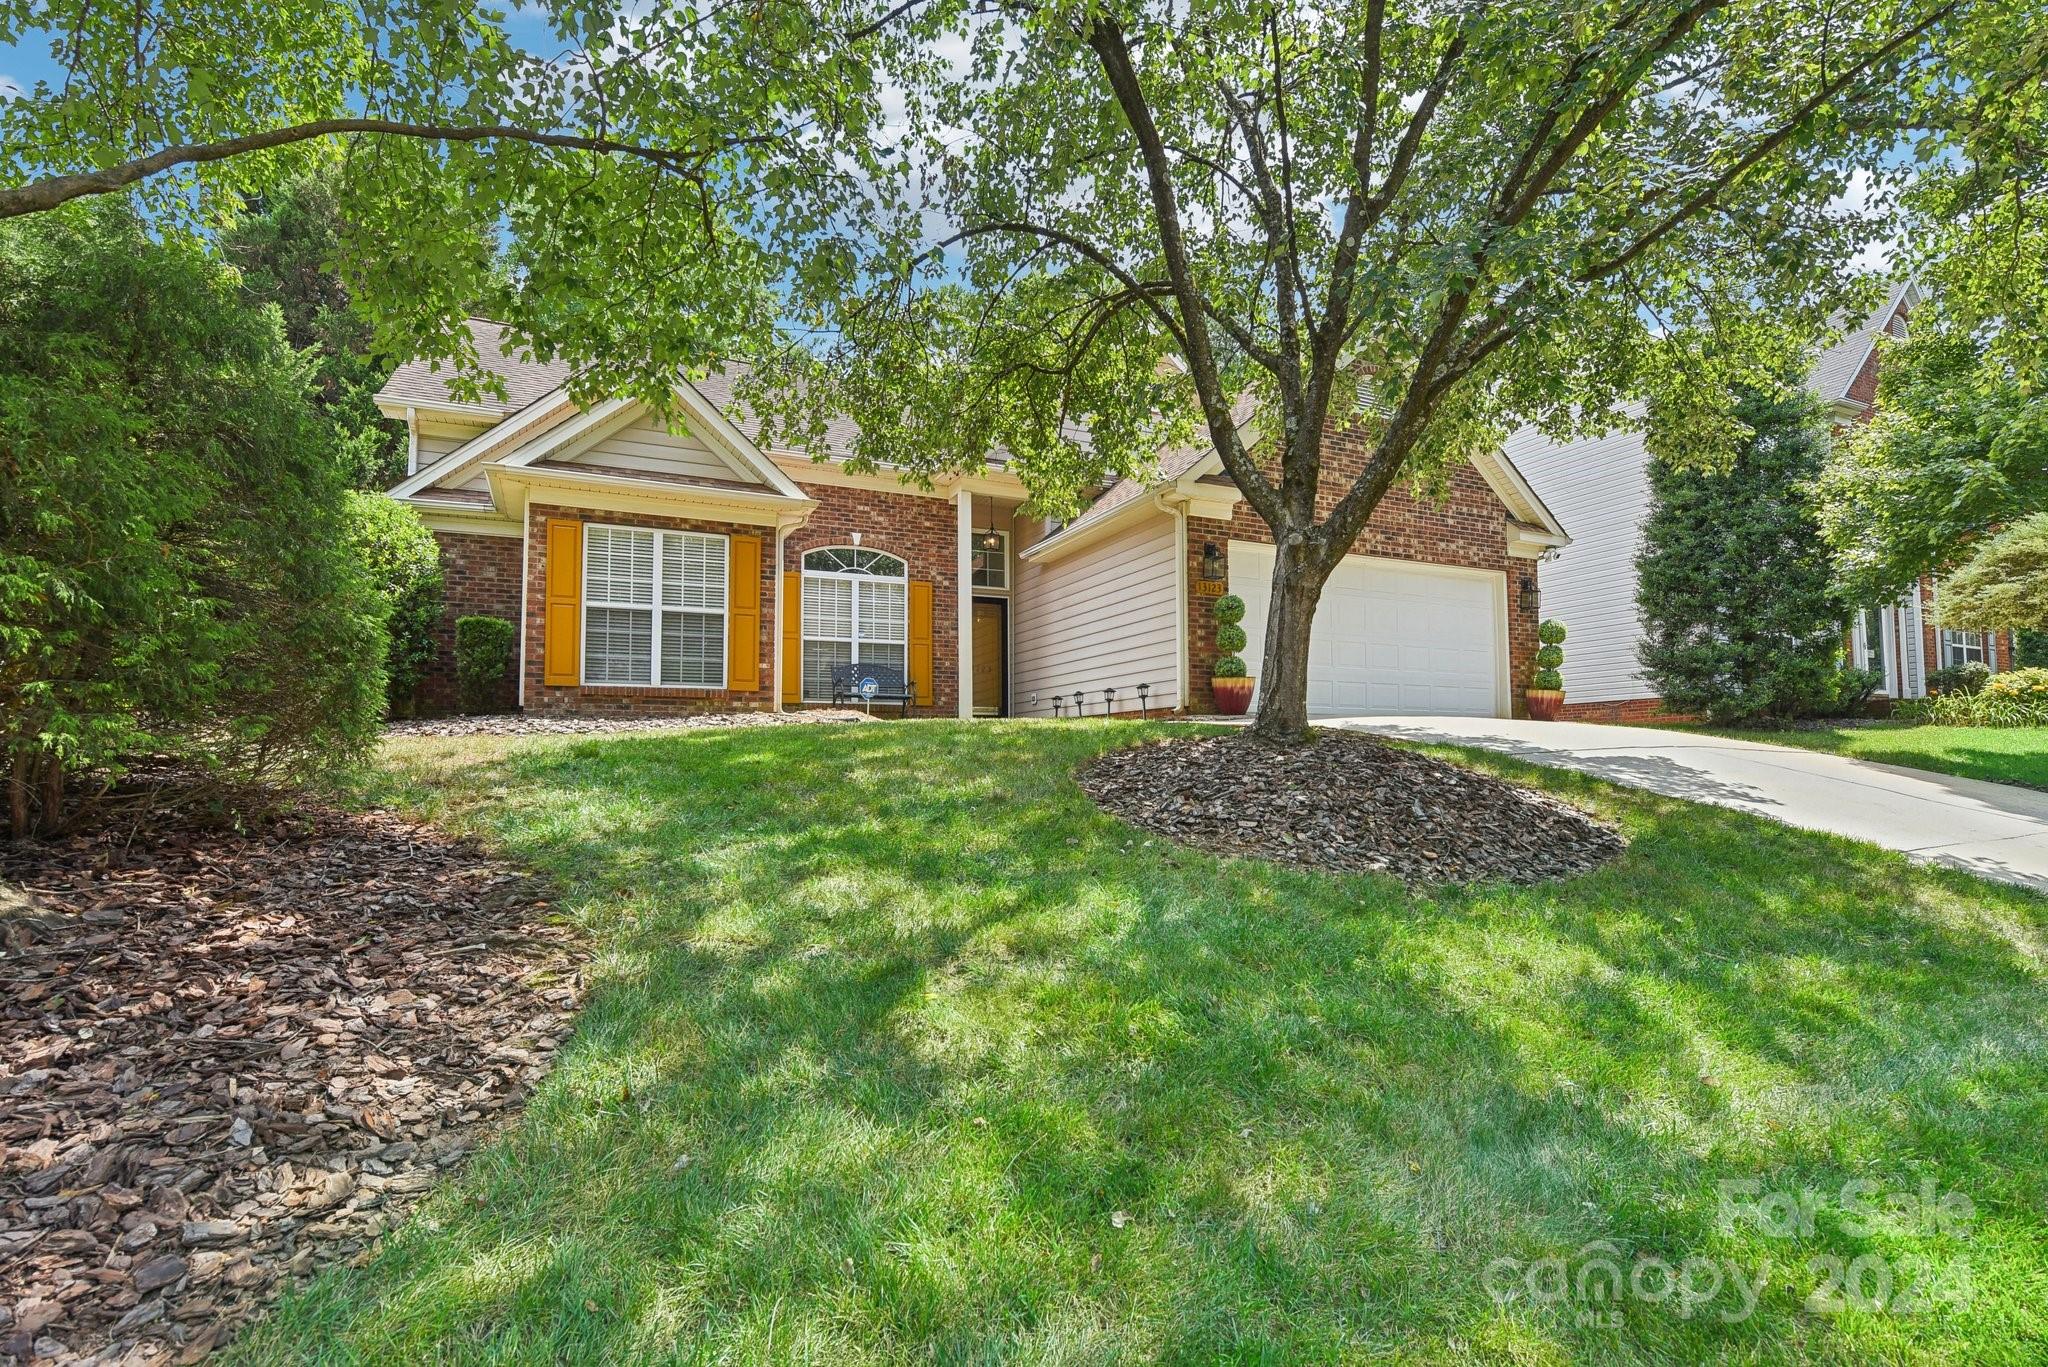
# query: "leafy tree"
174,576
1958,446
1500,212
286,250
1739,622
2005,584
403,562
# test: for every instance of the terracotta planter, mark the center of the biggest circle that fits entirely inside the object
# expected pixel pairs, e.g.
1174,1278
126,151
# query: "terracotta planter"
1233,696
1544,703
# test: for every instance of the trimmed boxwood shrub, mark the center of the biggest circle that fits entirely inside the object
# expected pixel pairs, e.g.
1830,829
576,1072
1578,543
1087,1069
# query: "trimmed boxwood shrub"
483,654
1962,678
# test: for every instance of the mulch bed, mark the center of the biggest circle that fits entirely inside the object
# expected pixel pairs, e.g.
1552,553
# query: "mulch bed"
519,724
1351,803
229,1058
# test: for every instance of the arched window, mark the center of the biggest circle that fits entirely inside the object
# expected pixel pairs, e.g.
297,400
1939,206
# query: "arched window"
856,606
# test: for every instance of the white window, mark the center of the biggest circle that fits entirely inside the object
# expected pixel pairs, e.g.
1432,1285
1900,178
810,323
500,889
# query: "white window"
653,607
1965,647
991,569
856,606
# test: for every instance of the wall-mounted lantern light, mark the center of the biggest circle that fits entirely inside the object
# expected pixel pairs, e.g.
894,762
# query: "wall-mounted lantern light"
1530,596
1212,560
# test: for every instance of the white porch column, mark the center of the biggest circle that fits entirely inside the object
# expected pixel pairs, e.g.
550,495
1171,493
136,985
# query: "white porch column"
963,577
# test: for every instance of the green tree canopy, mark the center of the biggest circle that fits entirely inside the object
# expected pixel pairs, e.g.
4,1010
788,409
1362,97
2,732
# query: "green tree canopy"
287,248
1958,446
2003,585
173,574
1075,231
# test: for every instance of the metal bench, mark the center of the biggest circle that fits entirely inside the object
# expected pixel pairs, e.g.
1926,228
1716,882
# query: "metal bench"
850,684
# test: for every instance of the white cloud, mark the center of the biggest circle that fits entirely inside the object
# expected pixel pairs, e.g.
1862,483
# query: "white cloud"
10,89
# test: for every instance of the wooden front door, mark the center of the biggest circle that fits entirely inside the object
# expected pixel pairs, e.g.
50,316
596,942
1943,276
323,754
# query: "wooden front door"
991,657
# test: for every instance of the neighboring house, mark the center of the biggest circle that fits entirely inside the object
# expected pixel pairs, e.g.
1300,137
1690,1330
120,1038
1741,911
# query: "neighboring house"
1601,487
657,570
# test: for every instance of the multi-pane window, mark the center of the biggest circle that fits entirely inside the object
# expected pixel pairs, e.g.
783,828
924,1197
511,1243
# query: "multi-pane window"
653,607
1965,647
991,569
856,607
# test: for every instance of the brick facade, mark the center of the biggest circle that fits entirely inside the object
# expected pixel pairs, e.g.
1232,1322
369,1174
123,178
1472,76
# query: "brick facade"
1625,710
480,578
632,700
1468,529
925,532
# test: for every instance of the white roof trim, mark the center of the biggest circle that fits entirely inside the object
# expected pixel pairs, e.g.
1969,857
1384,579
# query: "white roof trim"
525,421
1500,474
730,443
536,430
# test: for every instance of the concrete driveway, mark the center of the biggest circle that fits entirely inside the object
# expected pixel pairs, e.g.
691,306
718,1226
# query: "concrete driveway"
1991,829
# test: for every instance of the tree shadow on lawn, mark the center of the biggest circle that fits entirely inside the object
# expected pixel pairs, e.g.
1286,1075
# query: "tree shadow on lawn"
897,1046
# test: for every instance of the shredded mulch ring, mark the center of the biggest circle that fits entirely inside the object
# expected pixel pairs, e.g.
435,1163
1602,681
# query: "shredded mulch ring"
1351,803
229,1058
520,724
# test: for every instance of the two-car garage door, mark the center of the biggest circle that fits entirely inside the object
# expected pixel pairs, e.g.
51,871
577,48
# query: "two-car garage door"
1390,636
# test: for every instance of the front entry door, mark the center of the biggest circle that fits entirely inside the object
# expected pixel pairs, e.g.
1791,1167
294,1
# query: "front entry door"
991,657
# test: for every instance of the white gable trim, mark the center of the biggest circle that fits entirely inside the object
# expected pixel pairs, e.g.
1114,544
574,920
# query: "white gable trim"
549,408
720,437
1495,468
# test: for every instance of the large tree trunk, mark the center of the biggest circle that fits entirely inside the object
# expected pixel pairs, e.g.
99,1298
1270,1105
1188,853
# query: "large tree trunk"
1283,682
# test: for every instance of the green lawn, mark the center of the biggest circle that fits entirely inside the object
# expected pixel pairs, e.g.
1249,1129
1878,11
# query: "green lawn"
897,1050
2003,754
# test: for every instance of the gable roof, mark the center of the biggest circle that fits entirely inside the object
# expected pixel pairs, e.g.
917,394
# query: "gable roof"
1201,462
426,382
1835,369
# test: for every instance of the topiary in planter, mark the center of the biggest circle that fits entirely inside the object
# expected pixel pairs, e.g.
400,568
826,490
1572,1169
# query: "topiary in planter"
1545,694
1229,681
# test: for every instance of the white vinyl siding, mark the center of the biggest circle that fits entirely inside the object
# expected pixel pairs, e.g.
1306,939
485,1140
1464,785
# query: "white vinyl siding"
1599,488
645,445
643,589
1104,616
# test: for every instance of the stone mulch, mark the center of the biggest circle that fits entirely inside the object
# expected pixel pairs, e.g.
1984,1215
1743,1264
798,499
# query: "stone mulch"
520,724
227,1059
1351,803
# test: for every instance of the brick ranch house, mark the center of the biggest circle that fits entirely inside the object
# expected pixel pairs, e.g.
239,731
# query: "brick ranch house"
658,569
1602,486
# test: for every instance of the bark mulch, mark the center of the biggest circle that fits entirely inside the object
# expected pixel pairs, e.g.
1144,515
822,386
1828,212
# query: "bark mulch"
227,1059
521,724
1351,803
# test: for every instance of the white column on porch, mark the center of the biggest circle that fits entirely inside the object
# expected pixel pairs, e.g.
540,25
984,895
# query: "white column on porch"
963,577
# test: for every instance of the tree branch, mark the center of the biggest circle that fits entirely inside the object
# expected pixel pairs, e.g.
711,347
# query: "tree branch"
1107,38
40,195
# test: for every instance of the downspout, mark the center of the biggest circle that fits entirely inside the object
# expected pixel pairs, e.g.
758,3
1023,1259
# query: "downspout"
1178,509
781,628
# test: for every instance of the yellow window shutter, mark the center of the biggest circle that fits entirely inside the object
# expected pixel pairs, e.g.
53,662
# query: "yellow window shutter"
561,632
743,614
921,639
792,609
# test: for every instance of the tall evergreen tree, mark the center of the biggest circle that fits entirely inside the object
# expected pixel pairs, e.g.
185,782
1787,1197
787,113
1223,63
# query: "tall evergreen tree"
1733,579
287,250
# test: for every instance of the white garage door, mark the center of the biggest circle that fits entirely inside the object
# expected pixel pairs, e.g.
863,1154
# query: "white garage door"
1390,637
